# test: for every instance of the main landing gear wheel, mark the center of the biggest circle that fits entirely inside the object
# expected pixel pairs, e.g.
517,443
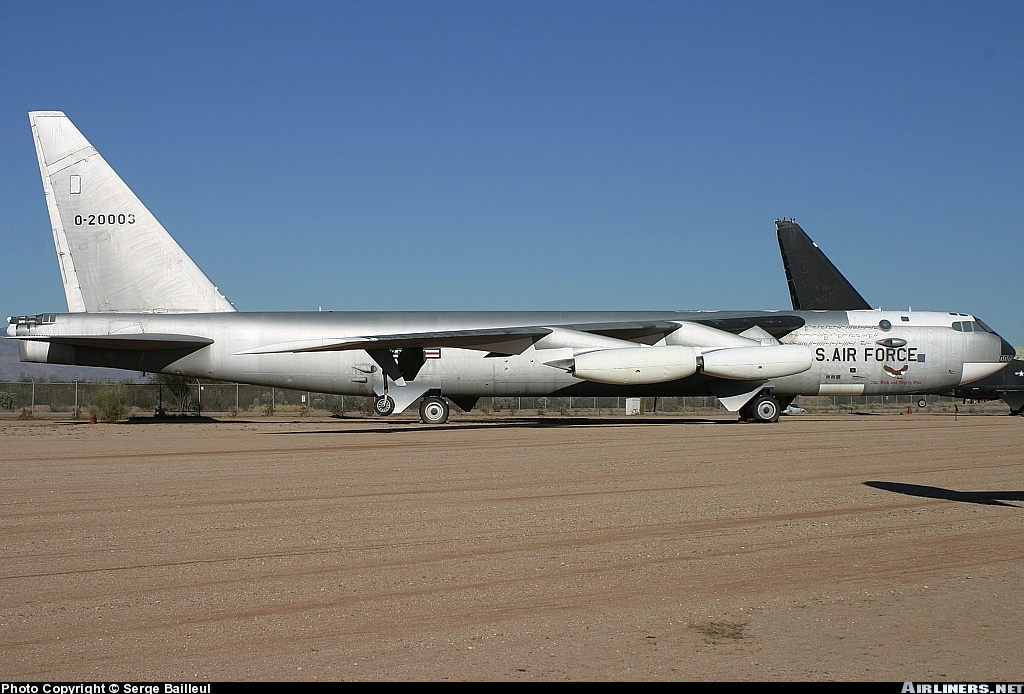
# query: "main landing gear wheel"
922,403
434,410
384,405
765,408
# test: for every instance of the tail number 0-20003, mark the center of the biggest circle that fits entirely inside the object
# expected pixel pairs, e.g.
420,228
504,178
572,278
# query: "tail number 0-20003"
104,219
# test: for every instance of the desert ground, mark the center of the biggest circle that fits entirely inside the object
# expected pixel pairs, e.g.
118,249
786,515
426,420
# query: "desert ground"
825,547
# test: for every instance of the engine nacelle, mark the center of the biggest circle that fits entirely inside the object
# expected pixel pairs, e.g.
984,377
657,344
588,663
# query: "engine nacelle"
757,363
34,352
636,365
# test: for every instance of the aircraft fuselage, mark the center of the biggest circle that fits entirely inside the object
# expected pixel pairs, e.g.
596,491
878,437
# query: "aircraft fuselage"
851,352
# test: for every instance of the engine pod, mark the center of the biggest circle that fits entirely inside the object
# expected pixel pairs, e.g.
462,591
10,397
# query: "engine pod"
636,365
757,363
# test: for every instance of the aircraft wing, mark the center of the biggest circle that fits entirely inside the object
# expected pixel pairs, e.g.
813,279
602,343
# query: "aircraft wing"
777,324
516,339
634,331
506,340
512,340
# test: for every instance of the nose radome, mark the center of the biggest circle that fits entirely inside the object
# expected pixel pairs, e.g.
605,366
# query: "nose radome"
974,371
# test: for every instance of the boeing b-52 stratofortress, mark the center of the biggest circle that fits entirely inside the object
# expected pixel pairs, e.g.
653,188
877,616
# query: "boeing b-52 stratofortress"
137,301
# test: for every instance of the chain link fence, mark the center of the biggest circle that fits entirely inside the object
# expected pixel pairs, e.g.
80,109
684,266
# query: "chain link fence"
112,401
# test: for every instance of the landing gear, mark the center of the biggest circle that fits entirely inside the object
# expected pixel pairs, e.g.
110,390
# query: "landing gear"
434,410
922,403
763,408
384,405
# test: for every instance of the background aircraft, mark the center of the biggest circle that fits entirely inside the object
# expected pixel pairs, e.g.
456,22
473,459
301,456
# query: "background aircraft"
815,283
137,301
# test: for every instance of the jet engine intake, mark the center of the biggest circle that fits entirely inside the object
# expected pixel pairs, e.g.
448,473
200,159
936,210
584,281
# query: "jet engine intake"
636,365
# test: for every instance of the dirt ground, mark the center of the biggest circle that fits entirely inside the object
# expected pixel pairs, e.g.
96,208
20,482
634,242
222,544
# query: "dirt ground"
847,547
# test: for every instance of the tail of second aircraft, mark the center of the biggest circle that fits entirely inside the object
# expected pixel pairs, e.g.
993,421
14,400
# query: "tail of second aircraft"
814,282
114,255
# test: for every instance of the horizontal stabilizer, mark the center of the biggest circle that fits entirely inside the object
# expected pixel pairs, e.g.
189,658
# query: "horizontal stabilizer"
135,341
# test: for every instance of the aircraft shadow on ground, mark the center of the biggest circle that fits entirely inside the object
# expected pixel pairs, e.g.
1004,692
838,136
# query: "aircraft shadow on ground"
399,427
995,498
396,426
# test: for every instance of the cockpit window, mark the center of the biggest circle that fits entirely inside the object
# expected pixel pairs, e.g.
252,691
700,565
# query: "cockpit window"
972,326
979,326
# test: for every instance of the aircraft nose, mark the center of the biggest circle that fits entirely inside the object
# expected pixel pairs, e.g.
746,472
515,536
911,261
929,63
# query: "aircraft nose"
992,361
1006,349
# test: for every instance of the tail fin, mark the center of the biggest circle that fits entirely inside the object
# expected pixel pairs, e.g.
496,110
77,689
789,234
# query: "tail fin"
114,255
814,282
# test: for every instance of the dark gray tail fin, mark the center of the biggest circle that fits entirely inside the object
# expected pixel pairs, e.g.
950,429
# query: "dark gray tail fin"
814,282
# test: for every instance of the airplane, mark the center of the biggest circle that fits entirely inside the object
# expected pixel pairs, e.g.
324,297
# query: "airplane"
137,301
1007,385
815,283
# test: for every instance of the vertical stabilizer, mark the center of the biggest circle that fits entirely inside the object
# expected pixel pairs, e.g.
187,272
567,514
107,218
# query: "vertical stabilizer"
814,282
114,255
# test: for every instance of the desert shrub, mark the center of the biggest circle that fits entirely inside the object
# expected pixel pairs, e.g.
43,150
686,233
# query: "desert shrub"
8,400
109,405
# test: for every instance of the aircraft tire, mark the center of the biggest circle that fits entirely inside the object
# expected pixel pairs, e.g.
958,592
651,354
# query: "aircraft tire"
434,410
922,403
765,408
384,405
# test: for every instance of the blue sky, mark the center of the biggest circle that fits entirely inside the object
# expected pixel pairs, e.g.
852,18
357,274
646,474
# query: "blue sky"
537,155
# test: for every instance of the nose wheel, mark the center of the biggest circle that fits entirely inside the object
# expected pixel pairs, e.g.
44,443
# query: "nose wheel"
384,405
